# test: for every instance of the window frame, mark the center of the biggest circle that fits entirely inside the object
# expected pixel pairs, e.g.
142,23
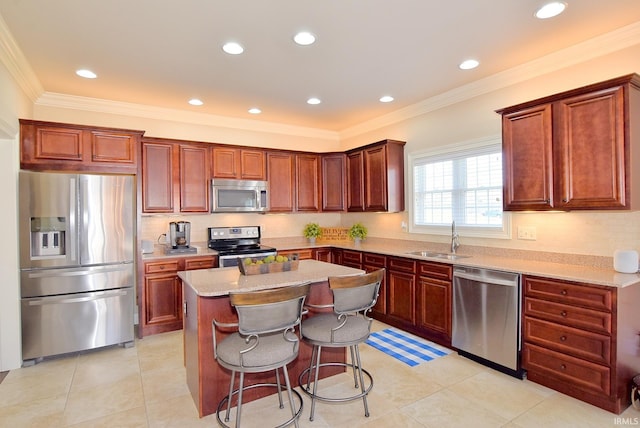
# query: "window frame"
455,149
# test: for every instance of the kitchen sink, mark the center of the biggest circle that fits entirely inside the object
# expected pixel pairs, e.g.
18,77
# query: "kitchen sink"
434,254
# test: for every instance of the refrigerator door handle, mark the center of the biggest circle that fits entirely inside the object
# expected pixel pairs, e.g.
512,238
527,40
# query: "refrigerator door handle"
73,220
94,296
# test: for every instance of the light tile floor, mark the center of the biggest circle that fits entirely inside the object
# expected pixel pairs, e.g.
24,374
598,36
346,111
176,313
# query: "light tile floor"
144,386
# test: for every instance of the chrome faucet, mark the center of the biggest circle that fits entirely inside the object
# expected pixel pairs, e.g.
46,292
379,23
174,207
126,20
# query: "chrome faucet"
455,239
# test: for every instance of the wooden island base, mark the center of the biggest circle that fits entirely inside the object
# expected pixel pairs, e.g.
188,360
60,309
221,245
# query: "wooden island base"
208,382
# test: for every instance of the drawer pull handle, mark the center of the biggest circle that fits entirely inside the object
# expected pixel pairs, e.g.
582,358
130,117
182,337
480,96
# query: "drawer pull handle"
563,313
161,267
564,292
563,338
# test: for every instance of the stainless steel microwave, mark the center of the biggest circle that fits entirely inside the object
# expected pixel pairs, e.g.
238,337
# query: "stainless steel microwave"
232,196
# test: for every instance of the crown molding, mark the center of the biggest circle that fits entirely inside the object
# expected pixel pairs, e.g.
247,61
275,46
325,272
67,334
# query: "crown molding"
598,46
8,130
17,65
57,100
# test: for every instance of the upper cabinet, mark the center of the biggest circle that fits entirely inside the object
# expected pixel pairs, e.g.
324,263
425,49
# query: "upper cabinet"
573,150
175,176
294,181
78,148
376,177
333,178
243,164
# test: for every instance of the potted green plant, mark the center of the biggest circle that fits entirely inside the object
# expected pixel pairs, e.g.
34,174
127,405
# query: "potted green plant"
358,232
312,231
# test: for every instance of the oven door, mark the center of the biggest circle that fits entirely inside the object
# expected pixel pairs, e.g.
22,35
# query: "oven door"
232,259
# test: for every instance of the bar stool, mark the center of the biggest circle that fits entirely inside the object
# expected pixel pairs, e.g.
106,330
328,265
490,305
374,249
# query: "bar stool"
265,340
346,326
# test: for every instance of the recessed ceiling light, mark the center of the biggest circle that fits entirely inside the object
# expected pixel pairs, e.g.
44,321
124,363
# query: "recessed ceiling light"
386,99
550,10
255,110
195,102
469,64
233,48
87,74
313,101
304,38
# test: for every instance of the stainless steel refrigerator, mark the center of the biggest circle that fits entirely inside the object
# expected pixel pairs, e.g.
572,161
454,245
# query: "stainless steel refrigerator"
77,276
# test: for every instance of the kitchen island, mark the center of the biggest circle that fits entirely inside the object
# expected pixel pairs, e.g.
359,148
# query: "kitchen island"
206,297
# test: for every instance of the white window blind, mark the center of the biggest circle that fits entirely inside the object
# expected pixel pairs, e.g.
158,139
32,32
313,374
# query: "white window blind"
463,185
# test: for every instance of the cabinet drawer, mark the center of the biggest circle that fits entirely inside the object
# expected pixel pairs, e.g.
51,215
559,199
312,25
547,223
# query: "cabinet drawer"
570,293
582,374
161,267
352,256
435,270
569,315
306,254
374,260
402,265
579,343
192,263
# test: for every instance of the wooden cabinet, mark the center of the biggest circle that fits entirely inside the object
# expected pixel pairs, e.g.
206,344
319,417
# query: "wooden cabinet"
281,177
175,176
376,177
303,254
401,291
352,259
77,148
573,150
161,303
433,297
334,183
576,339
307,182
238,163
323,254
372,262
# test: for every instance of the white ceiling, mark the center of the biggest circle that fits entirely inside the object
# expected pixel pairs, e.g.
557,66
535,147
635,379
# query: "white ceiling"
164,52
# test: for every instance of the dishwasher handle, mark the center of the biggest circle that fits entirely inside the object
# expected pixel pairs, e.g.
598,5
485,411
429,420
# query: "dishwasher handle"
487,279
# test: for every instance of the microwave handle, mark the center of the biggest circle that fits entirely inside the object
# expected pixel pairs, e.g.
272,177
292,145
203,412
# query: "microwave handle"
263,204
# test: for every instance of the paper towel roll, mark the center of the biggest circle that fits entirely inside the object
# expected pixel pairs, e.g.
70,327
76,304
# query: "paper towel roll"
625,261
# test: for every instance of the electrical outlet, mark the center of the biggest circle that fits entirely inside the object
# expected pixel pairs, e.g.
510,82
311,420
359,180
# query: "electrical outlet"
403,226
528,233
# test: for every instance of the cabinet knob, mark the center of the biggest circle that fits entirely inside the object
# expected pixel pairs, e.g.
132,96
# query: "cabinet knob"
161,267
563,313
564,292
563,367
565,200
563,338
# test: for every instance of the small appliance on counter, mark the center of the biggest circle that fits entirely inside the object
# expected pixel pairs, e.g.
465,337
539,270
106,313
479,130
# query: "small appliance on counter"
180,238
233,243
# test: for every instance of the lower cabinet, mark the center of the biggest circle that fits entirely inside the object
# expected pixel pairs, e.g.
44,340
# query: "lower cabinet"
323,254
576,337
372,262
433,295
401,290
162,292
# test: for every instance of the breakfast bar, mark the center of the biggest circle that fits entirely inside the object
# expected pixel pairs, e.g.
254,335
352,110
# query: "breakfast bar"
206,297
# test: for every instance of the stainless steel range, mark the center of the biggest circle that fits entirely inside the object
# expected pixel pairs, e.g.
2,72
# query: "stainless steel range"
233,243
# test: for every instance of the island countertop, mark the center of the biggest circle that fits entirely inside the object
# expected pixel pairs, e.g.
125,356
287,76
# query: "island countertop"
220,281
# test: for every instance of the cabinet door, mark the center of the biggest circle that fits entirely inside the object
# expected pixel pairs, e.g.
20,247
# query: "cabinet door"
528,159
157,178
163,300
114,148
59,144
434,305
194,178
333,182
590,150
401,297
281,173
225,163
355,184
252,165
323,254
375,179
307,182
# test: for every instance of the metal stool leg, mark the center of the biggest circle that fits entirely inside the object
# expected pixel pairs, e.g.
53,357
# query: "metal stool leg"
364,393
231,382
353,366
239,407
279,389
315,383
290,394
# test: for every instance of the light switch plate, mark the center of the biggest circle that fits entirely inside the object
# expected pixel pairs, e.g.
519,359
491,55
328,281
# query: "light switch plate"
528,233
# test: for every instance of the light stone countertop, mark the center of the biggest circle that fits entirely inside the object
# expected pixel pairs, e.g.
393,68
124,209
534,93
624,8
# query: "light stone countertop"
220,281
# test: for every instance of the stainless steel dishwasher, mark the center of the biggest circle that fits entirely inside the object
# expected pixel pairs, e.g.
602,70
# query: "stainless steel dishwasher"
486,317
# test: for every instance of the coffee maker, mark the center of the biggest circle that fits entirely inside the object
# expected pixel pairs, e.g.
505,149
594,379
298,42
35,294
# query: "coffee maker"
180,238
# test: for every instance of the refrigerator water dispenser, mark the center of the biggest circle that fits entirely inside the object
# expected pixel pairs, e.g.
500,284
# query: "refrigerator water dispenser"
47,236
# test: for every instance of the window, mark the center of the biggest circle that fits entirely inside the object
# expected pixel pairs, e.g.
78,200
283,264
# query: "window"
462,183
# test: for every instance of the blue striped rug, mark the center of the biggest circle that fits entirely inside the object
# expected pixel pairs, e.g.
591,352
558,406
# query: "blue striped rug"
409,349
